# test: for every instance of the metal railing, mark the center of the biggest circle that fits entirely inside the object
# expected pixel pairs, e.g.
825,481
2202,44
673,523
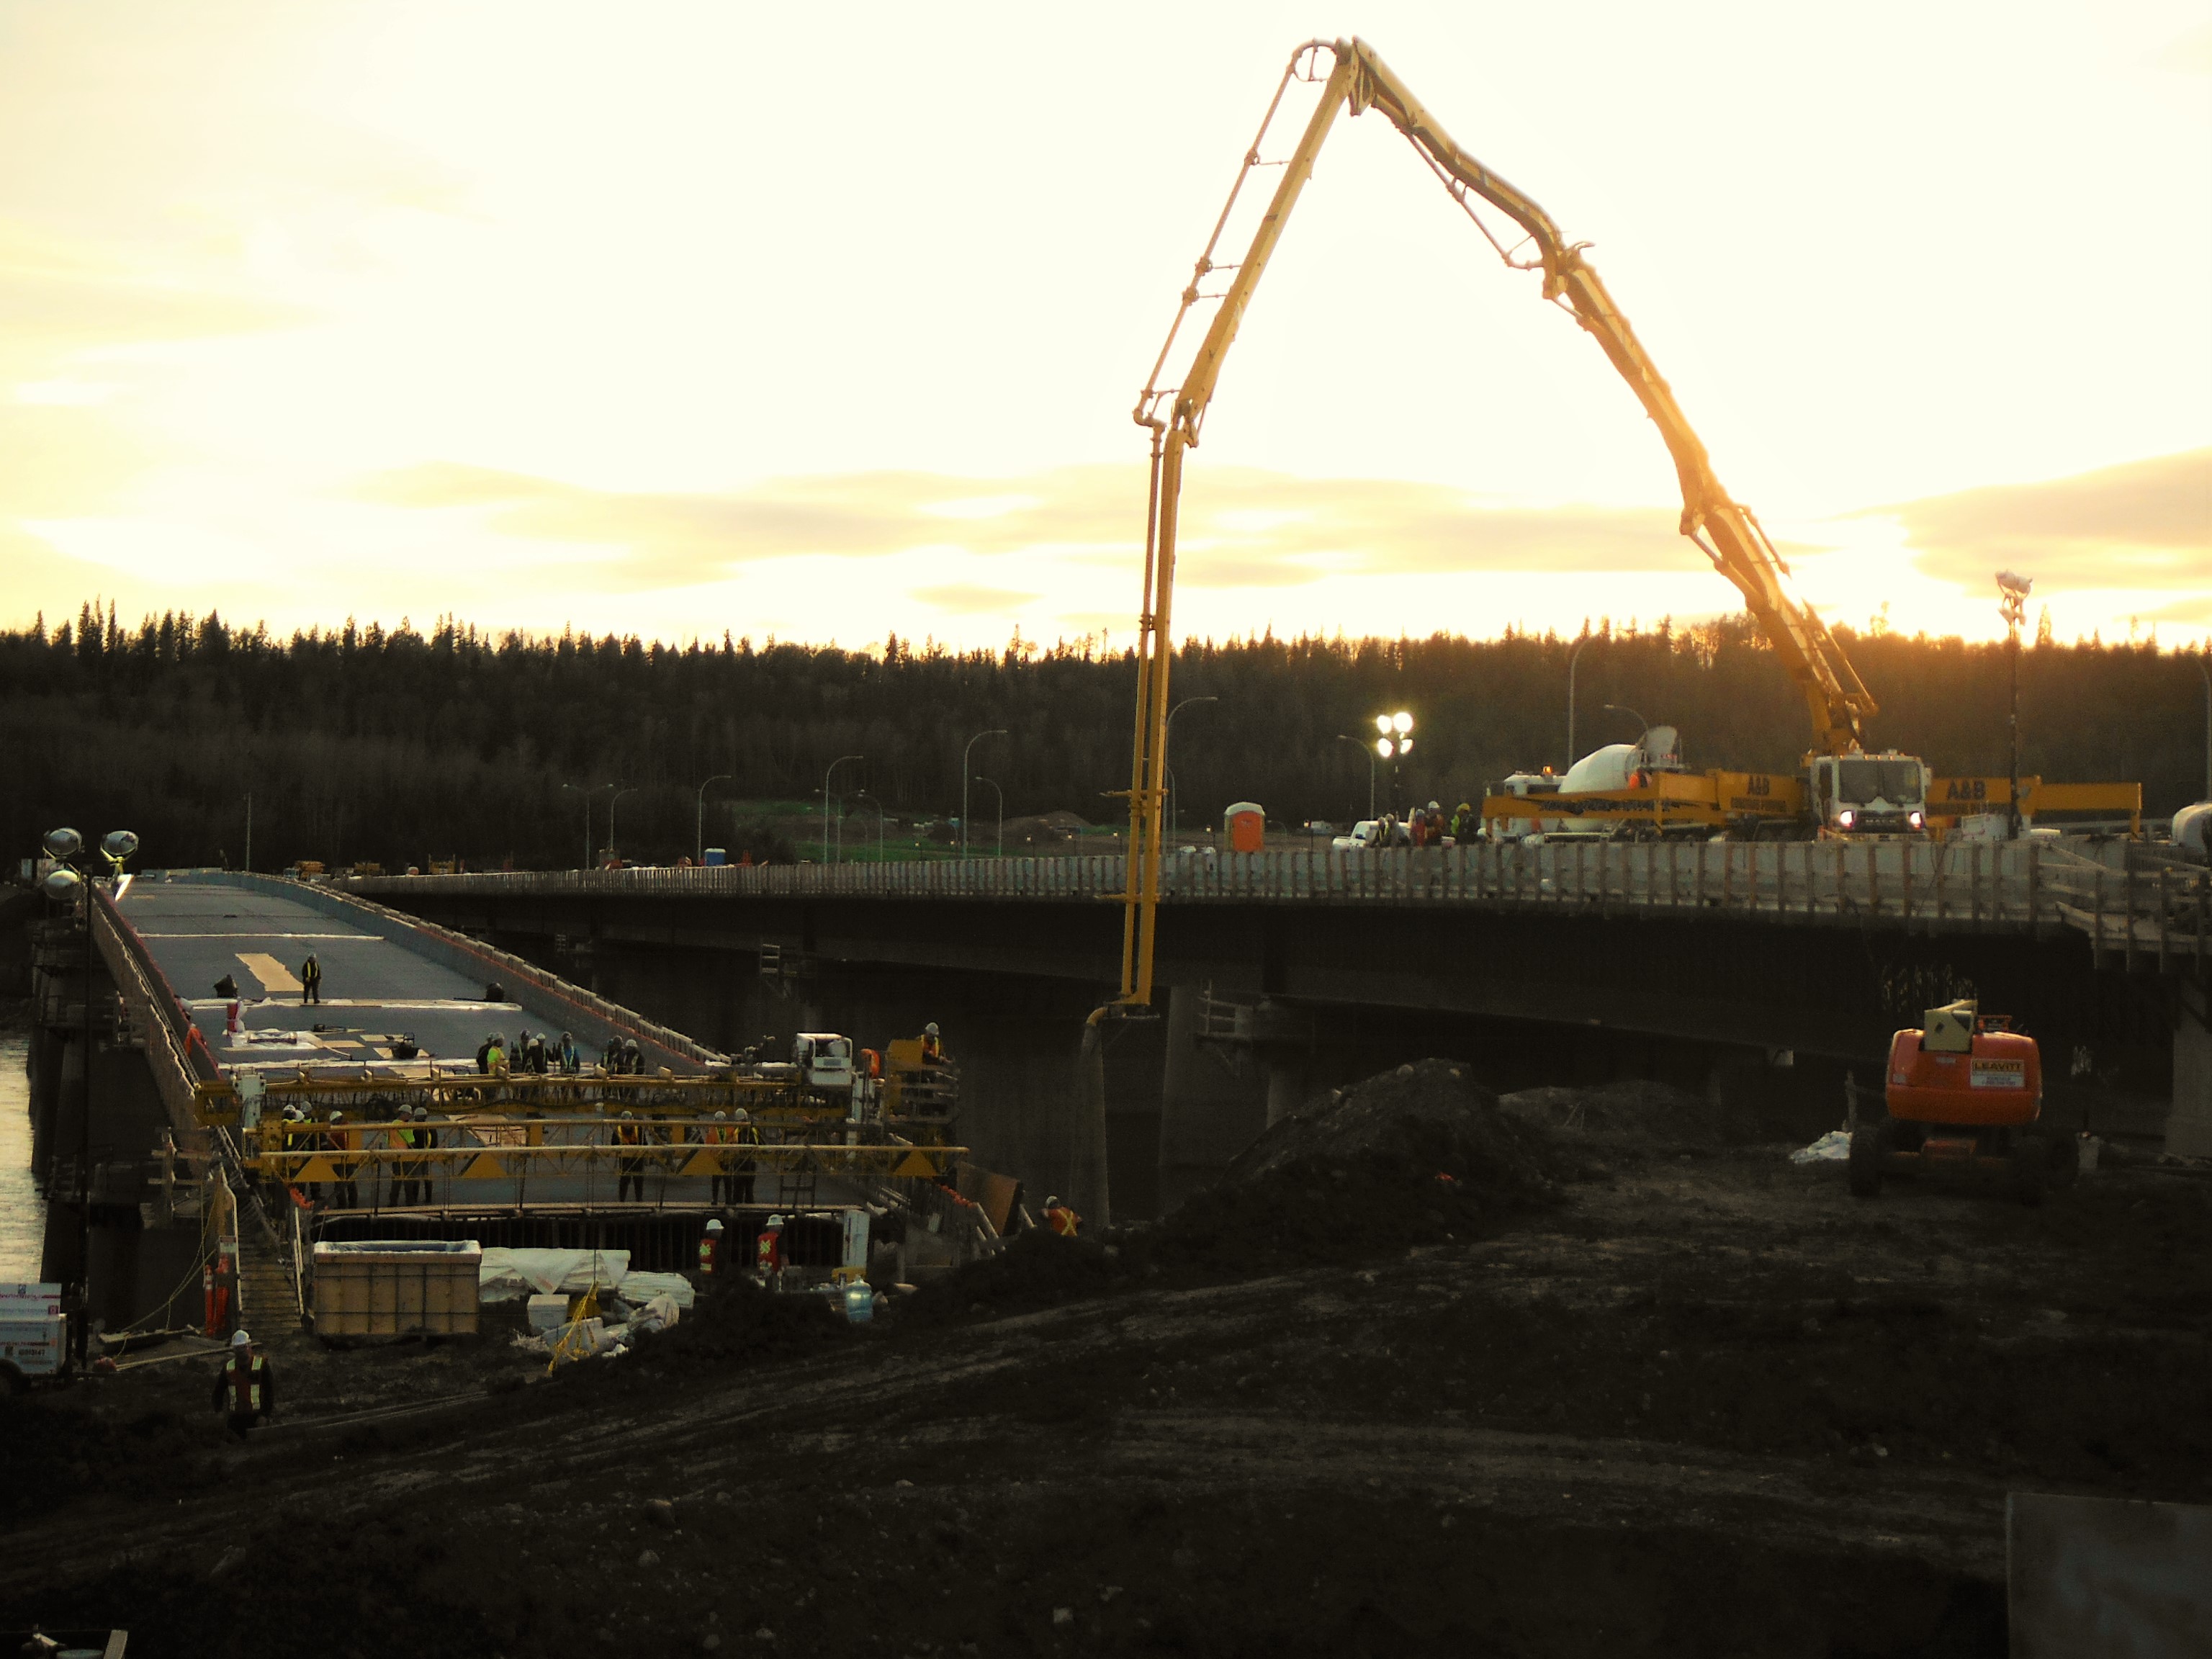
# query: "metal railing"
2126,903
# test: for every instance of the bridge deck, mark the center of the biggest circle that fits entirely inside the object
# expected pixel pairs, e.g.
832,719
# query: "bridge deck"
2129,899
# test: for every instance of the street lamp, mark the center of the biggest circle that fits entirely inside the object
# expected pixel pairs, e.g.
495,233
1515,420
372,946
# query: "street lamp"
1166,737
699,819
1396,741
65,884
1574,658
587,790
1001,794
1363,747
863,794
1622,708
2207,673
997,731
2012,605
614,846
826,776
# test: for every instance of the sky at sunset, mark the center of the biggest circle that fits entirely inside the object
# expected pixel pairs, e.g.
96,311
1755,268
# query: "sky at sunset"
825,322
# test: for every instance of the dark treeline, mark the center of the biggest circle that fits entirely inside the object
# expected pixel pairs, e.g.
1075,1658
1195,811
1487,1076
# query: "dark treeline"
400,746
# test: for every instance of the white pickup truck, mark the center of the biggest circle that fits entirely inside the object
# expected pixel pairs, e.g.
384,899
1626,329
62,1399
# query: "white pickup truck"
33,1335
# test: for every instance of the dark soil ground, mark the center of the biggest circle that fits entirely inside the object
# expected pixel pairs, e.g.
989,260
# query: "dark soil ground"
1576,1374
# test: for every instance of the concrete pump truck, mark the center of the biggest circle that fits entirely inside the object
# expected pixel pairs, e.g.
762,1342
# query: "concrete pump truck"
1842,789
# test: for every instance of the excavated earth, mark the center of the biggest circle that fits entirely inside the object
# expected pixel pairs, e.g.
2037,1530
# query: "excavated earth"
1579,1373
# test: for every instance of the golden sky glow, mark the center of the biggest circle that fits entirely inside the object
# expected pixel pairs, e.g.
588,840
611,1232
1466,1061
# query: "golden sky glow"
825,322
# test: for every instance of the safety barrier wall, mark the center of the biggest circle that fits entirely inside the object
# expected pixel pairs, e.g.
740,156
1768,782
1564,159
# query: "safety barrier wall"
2128,903
594,1015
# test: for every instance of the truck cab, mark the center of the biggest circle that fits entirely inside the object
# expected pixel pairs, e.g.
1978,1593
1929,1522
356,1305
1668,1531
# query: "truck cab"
1858,795
33,1335
824,1060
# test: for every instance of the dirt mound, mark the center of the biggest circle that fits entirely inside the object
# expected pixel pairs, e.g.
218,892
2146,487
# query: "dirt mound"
1627,1115
735,1321
1412,1156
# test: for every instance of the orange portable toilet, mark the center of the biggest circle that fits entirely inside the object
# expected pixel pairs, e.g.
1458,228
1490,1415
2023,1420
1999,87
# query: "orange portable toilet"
1245,824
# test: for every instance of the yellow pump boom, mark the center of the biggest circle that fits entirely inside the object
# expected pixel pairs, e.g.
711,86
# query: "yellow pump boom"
1724,529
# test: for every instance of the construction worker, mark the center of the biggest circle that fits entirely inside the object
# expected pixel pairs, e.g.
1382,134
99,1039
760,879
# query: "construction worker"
633,1057
495,1055
245,1387
716,1134
933,1045
399,1189
610,1057
743,1168
311,979
1061,1219
566,1056
343,1193
539,1064
632,1164
767,1253
425,1139
710,1248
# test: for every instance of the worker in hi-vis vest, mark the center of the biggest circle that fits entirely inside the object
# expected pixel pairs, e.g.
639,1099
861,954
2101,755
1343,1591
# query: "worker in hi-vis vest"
245,1388
710,1248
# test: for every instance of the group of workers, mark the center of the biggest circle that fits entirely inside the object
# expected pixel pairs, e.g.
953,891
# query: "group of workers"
1428,826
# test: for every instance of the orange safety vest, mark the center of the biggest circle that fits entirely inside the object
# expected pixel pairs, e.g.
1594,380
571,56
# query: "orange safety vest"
1062,1220
244,1386
768,1250
626,1135
710,1250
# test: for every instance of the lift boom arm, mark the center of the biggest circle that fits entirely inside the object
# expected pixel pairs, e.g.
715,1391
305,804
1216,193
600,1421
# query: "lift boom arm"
1724,529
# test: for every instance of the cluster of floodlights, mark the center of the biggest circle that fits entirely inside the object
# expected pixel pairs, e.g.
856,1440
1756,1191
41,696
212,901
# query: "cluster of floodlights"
1397,734
64,881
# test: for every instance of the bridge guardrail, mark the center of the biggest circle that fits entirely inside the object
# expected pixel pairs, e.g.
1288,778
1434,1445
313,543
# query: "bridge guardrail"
2124,904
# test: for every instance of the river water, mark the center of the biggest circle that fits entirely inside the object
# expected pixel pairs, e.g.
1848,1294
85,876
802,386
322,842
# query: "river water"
22,1211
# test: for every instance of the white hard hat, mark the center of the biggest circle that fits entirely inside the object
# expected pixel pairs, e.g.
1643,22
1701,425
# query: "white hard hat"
930,1030
775,1221
629,1114
721,1117
713,1226
240,1340
741,1117
337,1117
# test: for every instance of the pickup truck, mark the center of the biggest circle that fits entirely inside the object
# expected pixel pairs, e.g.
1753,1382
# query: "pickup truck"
33,1335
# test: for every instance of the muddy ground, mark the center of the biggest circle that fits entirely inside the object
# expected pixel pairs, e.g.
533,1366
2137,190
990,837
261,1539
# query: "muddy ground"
1614,1389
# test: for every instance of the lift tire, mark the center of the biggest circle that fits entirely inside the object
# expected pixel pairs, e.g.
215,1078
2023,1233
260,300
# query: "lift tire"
2031,1161
2065,1162
1865,1165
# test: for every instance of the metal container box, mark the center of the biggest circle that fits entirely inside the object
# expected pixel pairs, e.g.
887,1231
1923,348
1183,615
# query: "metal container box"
396,1287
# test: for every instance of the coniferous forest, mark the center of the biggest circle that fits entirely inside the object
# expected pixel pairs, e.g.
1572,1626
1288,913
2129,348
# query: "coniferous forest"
401,747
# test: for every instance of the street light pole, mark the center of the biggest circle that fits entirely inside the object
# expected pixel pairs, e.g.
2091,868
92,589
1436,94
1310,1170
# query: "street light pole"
864,795
1001,794
1623,709
586,790
2207,673
614,846
699,819
1367,749
1167,739
2012,605
826,776
999,731
249,832
1574,658
65,884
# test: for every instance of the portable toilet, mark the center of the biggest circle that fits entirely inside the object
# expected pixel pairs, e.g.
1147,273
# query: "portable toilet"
1245,824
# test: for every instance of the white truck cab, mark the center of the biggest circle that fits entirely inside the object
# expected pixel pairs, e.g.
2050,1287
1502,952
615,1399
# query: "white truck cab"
34,1333
824,1060
1884,794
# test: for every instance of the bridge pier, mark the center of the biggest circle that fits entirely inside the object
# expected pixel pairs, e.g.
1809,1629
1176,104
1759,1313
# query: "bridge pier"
1211,1104
2188,1122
